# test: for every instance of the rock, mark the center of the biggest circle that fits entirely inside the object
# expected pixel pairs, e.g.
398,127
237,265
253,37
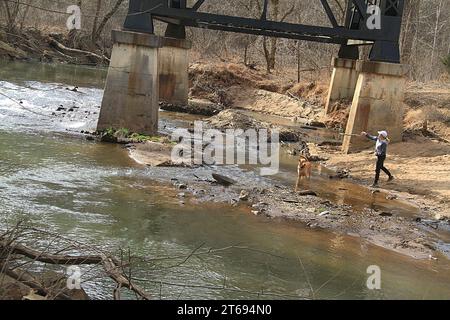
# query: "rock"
244,195
181,195
391,197
61,108
341,174
439,216
385,214
105,137
317,124
153,154
256,212
181,186
225,181
307,193
324,213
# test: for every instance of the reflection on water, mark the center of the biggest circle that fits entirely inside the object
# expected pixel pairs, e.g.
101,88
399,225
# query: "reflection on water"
343,192
53,73
96,194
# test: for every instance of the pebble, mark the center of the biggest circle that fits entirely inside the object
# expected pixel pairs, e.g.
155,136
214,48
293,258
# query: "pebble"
181,186
391,197
324,213
244,195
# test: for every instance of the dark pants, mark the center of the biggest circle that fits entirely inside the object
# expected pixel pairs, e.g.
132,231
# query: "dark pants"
380,166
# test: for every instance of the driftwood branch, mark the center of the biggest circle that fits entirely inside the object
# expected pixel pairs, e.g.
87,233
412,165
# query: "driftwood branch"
111,266
50,258
60,46
113,271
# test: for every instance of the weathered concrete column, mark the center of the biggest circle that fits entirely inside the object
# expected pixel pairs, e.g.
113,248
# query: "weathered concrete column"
343,81
377,104
173,71
131,93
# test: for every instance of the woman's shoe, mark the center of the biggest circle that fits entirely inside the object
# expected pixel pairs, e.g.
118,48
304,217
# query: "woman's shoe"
391,178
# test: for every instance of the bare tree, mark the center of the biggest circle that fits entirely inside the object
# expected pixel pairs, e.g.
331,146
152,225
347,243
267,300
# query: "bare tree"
97,30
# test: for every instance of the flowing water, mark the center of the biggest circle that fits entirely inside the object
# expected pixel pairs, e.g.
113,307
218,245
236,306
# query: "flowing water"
94,193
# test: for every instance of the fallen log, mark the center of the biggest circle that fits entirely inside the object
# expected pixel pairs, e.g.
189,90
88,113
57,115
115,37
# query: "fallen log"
64,48
49,258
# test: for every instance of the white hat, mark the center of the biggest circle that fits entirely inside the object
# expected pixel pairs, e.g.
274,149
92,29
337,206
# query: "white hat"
383,133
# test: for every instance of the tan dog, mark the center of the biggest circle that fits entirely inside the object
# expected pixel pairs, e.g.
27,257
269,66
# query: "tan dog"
304,170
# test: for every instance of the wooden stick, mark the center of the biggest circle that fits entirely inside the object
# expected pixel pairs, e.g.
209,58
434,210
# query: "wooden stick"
349,135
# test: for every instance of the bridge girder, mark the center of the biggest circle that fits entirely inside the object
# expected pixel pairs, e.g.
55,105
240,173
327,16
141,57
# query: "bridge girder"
354,32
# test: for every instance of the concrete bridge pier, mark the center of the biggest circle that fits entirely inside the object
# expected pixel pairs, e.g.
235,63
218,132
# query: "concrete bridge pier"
173,71
377,103
130,99
343,82
141,64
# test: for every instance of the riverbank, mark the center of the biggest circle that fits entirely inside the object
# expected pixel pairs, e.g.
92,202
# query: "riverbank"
406,234
30,44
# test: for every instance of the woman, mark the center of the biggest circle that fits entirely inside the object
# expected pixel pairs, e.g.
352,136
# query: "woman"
380,151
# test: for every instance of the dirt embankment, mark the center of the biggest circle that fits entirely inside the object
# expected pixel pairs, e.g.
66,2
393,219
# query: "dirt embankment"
235,86
33,44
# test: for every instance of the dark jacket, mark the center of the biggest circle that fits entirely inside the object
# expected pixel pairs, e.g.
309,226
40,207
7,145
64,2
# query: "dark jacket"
381,146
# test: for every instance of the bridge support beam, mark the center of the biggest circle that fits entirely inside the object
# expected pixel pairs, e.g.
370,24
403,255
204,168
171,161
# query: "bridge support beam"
144,69
173,71
377,104
130,99
343,82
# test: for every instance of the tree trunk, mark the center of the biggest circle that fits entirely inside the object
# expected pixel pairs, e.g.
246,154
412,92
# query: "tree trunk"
436,35
412,8
106,18
96,17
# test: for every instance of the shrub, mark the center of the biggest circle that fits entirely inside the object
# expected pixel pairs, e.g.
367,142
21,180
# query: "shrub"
446,62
